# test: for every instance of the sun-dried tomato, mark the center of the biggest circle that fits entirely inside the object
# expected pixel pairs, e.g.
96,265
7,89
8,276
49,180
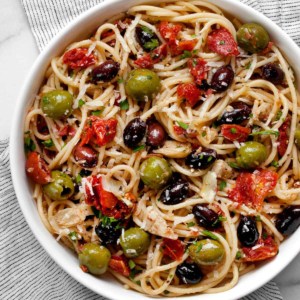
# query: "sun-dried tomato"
235,132
169,31
252,188
78,58
144,62
189,92
222,42
283,138
120,265
173,249
179,130
198,69
264,249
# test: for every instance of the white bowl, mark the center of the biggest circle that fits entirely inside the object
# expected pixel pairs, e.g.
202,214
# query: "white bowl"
80,28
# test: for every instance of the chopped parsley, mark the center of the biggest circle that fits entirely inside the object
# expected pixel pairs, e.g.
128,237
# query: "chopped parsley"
138,148
29,144
147,30
78,179
151,44
120,80
209,159
195,51
222,42
73,236
183,125
275,164
193,36
131,264
190,224
233,130
222,219
199,247
257,218
222,185
48,143
248,66
210,234
233,165
266,132
186,54
81,103
238,255
203,134
97,112
278,115
124,105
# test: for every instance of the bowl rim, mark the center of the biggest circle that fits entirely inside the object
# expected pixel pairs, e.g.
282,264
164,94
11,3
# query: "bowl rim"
52,247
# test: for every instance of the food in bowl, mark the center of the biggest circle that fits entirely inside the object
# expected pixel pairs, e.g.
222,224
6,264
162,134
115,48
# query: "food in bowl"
164,149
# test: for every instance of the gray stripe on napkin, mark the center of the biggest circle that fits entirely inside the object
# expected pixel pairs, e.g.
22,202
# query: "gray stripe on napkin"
27,272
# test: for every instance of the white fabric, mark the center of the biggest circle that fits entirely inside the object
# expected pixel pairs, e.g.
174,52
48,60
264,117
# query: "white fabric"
26,271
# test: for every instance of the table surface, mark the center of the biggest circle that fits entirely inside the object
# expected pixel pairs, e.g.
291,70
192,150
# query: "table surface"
17,54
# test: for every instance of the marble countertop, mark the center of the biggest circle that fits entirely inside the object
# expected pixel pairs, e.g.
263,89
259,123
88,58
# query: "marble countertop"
17,54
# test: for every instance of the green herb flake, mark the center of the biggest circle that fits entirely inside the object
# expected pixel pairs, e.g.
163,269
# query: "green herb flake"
120,80
248,66
233,165
222,219
199,247
151,45
81,103
124,105
193,36
233,130
275,164
222,185
222,42
278,115
147,30
166,292
238,255
195,51
186,54
131,264
97,112
209,159
264,235
203,134
78,179
257,218
138,148
48,143
210,234
266,132
29,144
251,115
190,224
73,236
183,125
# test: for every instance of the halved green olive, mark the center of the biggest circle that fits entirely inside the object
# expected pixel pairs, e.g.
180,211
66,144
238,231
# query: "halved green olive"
134,242
252,37
57,104
297,137
95,258
142,84
61,187
206,252
155,172
251,155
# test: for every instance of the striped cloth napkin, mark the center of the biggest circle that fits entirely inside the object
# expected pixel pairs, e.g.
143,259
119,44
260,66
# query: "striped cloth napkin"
27,272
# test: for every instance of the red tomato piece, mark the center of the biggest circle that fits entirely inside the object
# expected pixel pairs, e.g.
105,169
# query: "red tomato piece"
169,31
37,169
222,42
252,188
263,250
173,249
267,49
283,138
99,131
107,199
189,92
144,62
78,58
187,45
179,130
159,53
107,33
235,132
120,265
198,69
42,125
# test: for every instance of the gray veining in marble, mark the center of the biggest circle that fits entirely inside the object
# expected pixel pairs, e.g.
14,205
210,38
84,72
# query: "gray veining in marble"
17,53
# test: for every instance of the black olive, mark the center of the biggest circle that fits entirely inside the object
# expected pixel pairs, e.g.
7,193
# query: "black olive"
105,72
134,132
108,233
201,160
189,273
273,73
86,156
204,86
206,217
222,79
240,113
247,232
288,220
175,193
156,135
146,38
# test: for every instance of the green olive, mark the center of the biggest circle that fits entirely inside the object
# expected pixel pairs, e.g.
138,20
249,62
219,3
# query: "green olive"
297,137
95,258
61,187
206,252
134,242
252,37
155,172
57,104
142,84
251,155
